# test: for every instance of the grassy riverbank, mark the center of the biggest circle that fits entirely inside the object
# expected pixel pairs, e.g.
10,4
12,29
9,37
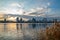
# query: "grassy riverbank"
51,33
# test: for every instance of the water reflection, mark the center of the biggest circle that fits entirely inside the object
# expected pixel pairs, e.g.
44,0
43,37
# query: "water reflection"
21,31
44,25
20,26
5,28
17,26
33,26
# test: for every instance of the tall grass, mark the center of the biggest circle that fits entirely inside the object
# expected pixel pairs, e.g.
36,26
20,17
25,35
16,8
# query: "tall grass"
51,33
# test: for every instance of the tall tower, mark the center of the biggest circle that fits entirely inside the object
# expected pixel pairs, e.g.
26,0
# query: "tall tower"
17,19
4,20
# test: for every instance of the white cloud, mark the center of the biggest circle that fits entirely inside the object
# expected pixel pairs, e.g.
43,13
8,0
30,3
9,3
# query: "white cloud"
11,18
33,11
39,11
13,11
14,8
48,3
45,5
16,5
21,11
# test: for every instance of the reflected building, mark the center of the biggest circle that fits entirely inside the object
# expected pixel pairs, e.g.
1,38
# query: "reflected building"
5,28
20,26
33,26
17,26
44,25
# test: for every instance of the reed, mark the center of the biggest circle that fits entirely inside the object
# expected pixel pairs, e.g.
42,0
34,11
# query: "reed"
51,33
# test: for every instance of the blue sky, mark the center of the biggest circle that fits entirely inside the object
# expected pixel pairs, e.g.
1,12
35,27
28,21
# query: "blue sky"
27,7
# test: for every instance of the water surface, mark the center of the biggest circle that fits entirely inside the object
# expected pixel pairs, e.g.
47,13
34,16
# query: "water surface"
21,31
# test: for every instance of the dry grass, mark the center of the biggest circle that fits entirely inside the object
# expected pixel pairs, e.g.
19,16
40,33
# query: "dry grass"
51,33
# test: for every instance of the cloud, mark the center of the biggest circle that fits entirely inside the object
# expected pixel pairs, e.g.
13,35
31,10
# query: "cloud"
17,8
19,11
45,5
39,11
16,5
48,3
14,8
11,18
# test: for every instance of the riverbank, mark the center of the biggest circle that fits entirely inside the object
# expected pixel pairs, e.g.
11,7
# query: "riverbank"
51,33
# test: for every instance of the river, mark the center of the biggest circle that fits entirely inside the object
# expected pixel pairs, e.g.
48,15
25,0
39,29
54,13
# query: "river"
21,31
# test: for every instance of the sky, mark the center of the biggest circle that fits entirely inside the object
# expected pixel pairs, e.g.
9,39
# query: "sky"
30,7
